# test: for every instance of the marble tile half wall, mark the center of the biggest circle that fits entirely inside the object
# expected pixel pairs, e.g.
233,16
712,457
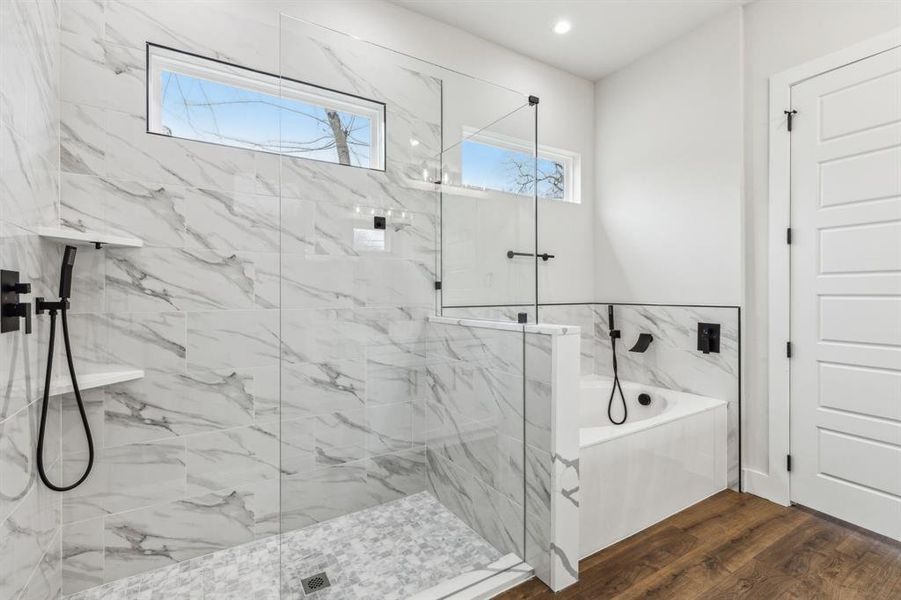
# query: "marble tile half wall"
501,437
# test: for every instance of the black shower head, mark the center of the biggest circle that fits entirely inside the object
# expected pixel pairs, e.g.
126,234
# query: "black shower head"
65,273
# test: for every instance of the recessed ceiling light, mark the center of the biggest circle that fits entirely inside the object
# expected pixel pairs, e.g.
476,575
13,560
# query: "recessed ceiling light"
562,26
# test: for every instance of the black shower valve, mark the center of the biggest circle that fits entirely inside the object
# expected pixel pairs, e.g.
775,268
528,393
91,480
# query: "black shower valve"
709,338
12,309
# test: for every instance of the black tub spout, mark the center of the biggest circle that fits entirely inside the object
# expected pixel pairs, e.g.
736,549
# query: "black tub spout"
644,340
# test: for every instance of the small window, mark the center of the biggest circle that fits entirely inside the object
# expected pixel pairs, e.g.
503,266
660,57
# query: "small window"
501,164
206,100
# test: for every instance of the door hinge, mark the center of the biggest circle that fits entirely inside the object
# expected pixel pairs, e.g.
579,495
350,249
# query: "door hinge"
788,462
437,285
788,236
790,114
788,349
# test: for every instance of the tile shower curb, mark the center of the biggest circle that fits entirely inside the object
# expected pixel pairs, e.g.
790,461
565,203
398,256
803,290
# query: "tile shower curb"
503,574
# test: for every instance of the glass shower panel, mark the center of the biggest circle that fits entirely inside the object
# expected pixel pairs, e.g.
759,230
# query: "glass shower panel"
488,218
361,411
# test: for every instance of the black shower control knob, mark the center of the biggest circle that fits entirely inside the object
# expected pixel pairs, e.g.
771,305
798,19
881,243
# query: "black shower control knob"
21,310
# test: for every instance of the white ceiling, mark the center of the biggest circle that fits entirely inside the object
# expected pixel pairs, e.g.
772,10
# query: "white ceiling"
606,34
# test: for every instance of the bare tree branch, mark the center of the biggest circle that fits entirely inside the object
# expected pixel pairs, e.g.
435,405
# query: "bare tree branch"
522,176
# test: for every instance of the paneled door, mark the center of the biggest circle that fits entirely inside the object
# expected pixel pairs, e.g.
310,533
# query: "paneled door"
846,293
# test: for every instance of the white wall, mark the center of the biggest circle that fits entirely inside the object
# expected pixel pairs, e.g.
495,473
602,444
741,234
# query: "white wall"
778,36
566,115
682,183
668,150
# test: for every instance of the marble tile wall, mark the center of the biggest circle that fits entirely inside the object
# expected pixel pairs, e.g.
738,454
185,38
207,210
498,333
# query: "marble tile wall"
582,315
474,430
29,191
262,329
672,361
491,441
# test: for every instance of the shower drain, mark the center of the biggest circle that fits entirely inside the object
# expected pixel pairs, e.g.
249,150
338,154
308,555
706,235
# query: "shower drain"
314,583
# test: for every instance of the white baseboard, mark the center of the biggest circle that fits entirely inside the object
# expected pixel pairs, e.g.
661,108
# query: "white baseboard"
761,484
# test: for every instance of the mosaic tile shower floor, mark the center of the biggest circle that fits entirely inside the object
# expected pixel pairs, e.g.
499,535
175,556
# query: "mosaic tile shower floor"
391,551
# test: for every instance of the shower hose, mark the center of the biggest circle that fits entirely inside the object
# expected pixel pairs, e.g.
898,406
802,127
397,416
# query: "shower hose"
616,384
46,402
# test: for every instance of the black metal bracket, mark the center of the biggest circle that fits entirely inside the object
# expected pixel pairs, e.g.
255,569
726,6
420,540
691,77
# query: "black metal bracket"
41,306
533,100
545,256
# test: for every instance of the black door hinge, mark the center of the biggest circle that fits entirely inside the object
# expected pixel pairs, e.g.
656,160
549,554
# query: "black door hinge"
788,349
788,236
788,462
437,285
791,115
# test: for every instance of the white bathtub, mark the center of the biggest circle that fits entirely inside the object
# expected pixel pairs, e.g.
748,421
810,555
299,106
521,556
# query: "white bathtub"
666,457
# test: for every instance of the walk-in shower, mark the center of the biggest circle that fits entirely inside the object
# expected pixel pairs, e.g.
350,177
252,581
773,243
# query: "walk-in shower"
264,406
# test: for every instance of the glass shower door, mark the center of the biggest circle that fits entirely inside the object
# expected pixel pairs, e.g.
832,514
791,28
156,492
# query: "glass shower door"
488,205
379,490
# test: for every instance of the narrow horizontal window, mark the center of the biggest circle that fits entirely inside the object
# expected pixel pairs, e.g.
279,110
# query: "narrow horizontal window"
205,100
501,164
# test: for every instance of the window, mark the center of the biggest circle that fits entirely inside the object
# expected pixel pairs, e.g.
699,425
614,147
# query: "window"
205,100
502,164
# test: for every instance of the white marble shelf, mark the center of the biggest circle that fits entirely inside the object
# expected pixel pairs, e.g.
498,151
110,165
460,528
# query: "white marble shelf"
62,384
88,238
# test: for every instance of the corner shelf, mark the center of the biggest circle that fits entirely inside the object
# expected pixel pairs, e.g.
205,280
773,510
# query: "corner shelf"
62,384
88,238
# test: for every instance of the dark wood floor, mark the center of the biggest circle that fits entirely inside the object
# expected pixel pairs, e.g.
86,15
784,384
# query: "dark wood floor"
738,546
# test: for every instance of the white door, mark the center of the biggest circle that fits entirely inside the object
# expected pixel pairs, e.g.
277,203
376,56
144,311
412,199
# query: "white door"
846,293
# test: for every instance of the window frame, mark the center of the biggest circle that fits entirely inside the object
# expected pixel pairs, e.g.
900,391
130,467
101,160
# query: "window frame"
571,161
163,58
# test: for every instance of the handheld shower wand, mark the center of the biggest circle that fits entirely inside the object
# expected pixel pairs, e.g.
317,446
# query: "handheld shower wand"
614,334
41,305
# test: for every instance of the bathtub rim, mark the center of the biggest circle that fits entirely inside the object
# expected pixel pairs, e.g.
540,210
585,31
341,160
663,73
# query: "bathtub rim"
676,411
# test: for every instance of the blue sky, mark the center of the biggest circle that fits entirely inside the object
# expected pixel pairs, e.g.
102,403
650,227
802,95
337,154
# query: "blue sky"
213,112
489,167
205,110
